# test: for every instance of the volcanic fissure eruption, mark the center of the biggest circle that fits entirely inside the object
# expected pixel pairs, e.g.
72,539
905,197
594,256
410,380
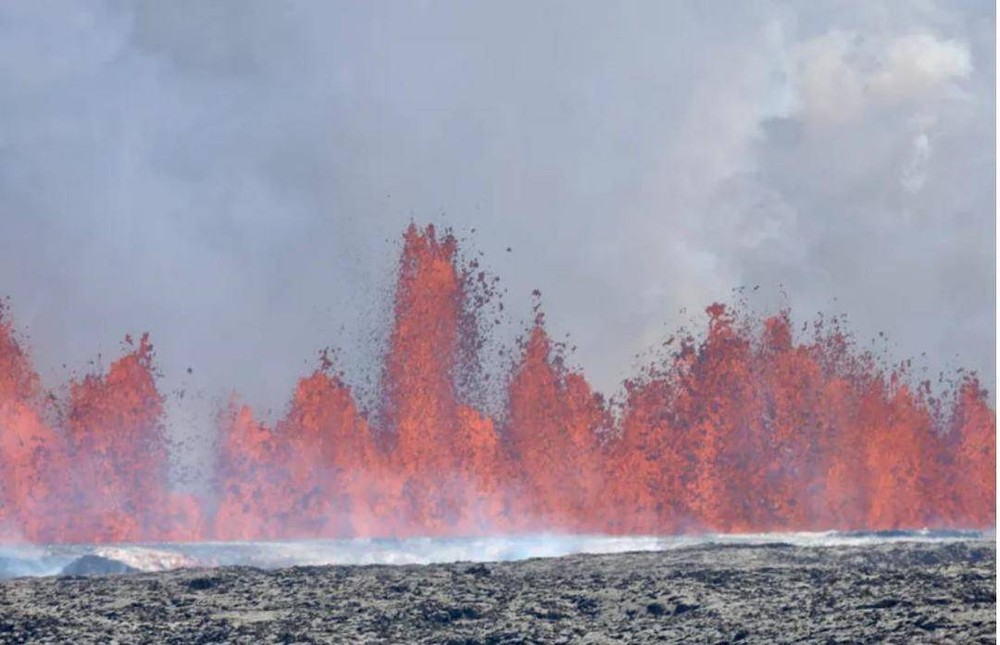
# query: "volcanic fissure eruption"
747,429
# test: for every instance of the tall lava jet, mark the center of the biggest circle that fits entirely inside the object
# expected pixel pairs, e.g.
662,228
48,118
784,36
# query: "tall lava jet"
752,427
442,456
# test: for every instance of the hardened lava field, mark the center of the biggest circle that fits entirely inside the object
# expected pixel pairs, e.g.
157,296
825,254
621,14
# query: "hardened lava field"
896,592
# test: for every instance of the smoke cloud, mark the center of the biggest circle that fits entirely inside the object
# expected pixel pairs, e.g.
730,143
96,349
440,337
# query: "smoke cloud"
233,176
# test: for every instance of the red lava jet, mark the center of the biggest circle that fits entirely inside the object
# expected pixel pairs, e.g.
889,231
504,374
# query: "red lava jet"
745,430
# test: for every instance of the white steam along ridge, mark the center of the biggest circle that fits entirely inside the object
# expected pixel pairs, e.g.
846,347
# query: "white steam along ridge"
53,560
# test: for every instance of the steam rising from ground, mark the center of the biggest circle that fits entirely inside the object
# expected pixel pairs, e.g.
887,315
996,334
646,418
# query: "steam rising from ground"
46,561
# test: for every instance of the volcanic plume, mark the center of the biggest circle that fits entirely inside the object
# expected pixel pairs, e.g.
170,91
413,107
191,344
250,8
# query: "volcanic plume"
754,426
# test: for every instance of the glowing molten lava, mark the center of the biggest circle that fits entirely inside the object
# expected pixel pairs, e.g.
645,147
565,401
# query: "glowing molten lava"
744,430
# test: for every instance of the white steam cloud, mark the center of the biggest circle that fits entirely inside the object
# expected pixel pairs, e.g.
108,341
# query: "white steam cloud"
842,74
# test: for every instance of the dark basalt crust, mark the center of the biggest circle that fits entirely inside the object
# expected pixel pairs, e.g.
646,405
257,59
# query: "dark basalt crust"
891,592
95,565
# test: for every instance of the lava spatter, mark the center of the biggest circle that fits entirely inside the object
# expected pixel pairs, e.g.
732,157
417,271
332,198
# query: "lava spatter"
750,428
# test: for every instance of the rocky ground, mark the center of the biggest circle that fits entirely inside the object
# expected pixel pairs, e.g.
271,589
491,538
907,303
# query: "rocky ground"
892,592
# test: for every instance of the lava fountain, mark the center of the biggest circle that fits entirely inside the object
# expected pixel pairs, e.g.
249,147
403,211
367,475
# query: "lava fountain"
747,429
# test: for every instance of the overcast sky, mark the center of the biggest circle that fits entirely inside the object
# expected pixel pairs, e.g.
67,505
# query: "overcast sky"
234,176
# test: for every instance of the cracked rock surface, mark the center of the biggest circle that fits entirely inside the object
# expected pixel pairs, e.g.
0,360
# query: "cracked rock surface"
897,592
